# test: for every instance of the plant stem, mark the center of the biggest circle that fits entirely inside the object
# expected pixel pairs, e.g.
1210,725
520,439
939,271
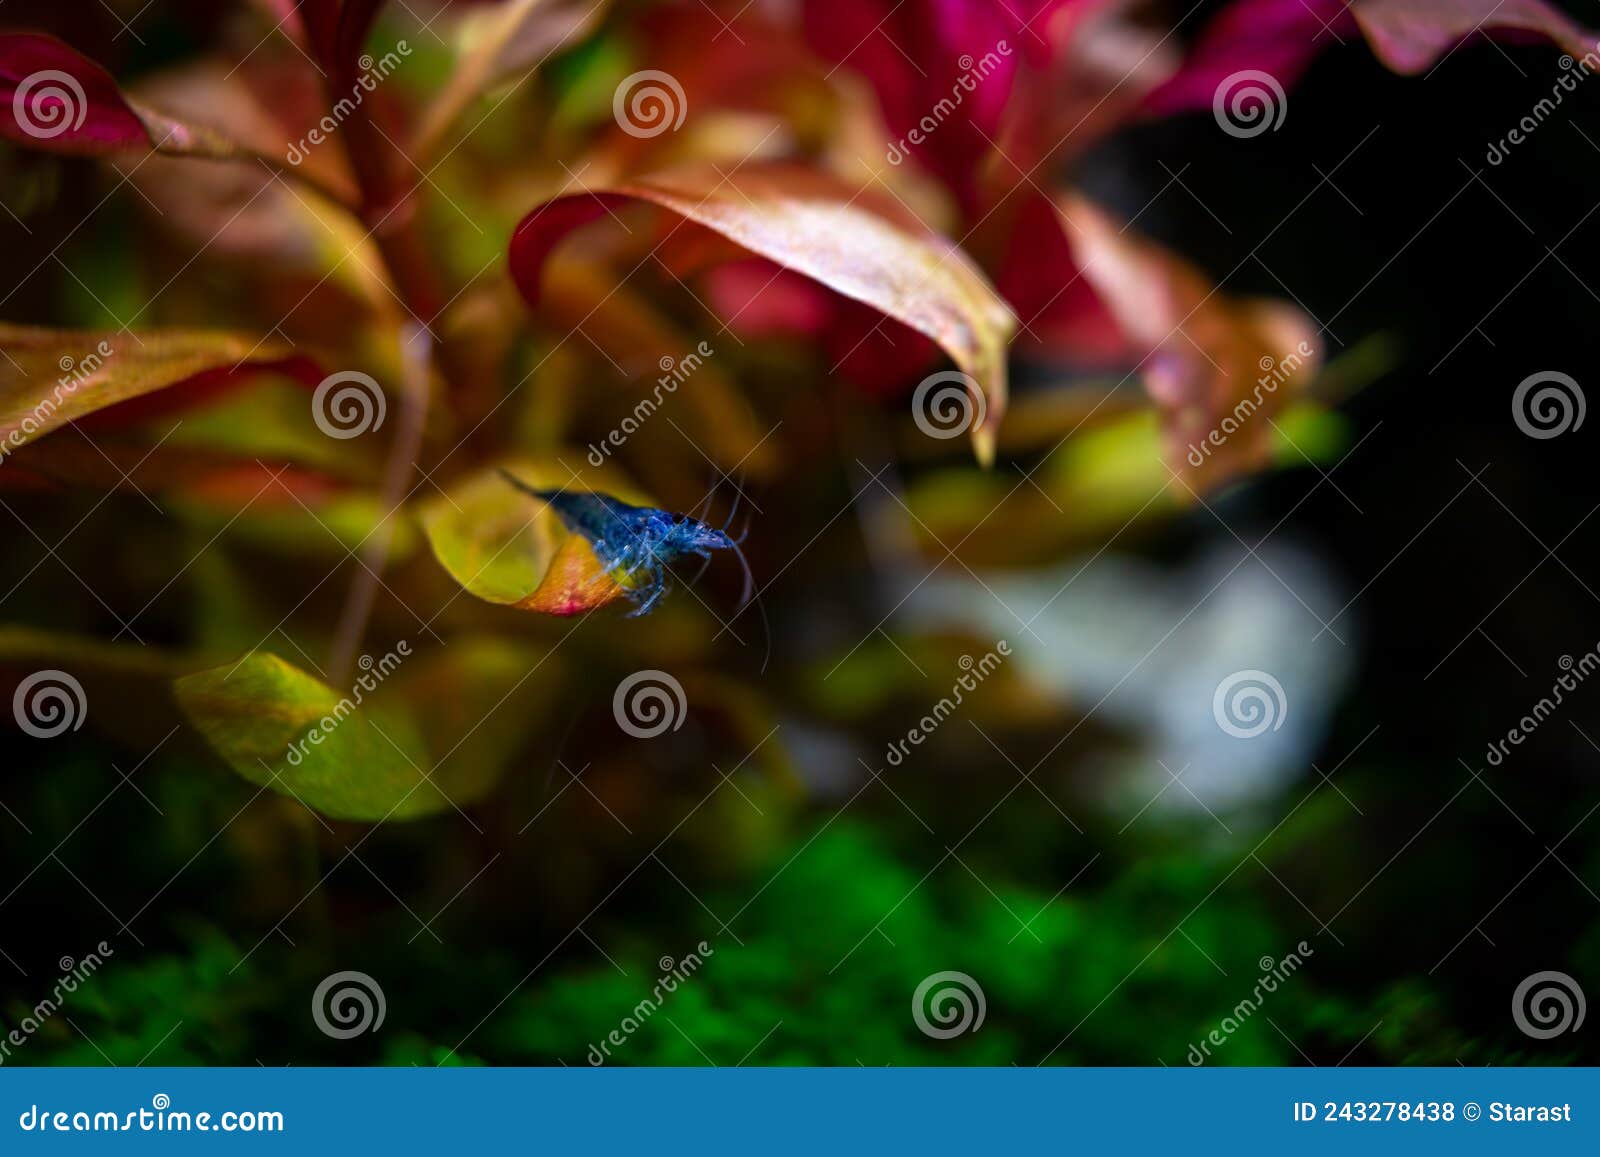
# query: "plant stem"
416,350
388,207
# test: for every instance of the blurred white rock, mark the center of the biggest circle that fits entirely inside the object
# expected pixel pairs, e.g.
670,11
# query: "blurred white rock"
1147,648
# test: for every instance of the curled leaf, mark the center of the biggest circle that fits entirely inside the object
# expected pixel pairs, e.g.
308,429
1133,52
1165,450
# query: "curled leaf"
1277,37
244,208
53,97
855,244
507,547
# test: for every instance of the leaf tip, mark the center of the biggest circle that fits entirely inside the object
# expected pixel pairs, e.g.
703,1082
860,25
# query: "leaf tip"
983,443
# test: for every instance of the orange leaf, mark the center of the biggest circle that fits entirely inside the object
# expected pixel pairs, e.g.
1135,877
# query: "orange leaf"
861,246
1219,367
51,377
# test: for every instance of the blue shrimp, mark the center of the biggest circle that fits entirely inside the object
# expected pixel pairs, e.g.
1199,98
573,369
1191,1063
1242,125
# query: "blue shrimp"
631,541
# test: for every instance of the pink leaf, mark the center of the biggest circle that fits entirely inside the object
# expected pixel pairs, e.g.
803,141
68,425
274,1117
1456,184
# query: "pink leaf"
1281,37
1278,37
53,98
1409,35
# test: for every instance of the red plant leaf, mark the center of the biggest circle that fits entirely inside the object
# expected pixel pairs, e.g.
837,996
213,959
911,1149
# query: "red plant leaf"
337,29
761,299
56,99
942,71
214,480
1039,276
866,249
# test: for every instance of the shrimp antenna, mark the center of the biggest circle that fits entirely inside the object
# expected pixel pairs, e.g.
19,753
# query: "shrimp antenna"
747,596
704,506
544,496
519,483
699,574
734,509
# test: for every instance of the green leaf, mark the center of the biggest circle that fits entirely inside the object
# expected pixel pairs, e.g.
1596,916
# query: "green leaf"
281,728
416,736
507,547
